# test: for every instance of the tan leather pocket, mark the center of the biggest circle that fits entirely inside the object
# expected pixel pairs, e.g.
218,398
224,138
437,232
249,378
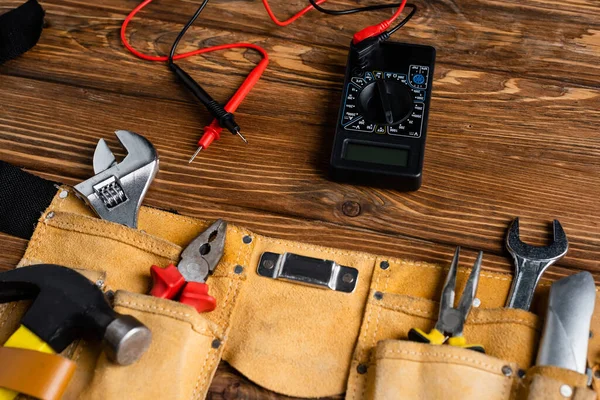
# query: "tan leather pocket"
181,359
408,370
291,338
553,383
82,242
507,334
400,299
178,364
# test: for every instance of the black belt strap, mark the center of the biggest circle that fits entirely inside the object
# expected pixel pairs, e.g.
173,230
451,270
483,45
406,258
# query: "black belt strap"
20,29
23,199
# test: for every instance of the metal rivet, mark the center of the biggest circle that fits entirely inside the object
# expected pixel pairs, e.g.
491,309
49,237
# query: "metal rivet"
378,295
110,296
566,390
63,194
216,344
100,283
50,215
362,369
521,373
597,373
506,370
238,269
384,265
476,302
268,264
247,239
348,278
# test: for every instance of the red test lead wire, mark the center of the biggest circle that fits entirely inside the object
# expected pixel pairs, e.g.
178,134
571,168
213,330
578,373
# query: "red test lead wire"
289,20
381,27
358,37
212,131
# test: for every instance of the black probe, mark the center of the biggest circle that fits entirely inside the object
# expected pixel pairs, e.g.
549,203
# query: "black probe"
224,117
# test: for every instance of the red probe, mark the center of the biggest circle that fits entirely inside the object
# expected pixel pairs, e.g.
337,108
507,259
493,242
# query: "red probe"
212,132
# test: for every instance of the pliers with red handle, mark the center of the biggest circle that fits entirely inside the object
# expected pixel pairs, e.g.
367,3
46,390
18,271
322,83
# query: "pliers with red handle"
187,279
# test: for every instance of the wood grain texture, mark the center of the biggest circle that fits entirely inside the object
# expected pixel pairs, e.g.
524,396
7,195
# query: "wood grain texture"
513,128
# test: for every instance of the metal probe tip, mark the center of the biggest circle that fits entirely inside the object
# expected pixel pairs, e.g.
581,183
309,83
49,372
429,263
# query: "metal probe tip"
195,154
242,136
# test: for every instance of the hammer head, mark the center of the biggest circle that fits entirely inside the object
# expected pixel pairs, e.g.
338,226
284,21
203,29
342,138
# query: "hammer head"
554,252
67,306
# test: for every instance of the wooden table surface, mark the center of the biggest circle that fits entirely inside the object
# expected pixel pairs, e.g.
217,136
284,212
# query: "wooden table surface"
513,128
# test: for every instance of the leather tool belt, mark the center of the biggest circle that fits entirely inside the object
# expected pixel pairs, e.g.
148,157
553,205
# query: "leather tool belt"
293,339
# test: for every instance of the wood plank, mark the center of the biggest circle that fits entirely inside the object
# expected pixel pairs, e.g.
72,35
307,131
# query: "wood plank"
497,40
12,251
512,131
478,175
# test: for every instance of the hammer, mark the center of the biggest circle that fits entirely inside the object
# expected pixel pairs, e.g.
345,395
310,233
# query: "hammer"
66,307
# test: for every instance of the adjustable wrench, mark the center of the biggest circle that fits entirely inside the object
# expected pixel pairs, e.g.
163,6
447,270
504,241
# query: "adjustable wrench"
531,262
116,192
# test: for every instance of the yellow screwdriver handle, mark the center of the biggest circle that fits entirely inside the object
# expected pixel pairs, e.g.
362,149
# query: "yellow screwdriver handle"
23,338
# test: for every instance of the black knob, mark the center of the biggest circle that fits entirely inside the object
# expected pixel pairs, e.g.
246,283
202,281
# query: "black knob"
385,102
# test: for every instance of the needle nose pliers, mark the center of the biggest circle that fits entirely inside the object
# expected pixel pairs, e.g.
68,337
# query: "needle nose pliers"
451,321
188,279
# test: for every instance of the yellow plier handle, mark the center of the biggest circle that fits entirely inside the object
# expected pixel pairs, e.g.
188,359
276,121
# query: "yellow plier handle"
436,337
460,341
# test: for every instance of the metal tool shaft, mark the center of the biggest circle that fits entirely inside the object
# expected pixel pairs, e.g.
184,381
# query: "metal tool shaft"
565,339
527,276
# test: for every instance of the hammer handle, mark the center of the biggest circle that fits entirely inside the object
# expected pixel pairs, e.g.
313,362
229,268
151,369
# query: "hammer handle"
23,338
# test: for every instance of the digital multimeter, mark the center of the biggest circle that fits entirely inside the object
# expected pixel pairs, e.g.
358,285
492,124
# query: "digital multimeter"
382,122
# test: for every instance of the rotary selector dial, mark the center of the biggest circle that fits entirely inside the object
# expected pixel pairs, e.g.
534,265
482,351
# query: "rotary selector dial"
386,102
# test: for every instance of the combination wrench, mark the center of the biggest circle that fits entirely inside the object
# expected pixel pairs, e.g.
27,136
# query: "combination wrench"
531,262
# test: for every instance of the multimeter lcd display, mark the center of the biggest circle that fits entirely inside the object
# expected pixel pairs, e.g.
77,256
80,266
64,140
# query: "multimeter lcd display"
376,154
